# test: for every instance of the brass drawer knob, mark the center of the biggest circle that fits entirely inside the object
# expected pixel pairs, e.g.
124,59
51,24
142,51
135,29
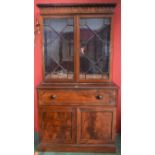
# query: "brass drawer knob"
53,96
99,97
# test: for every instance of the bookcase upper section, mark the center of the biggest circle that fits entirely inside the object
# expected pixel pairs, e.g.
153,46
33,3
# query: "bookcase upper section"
77,42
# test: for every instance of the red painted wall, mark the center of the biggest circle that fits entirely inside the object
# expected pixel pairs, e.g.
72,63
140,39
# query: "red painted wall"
116,56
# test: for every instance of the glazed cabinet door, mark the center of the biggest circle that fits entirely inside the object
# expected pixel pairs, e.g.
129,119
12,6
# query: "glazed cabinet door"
58,39
96,125
57,125
95,35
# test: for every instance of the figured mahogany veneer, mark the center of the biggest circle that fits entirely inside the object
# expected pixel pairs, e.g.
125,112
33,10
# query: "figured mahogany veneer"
57,125
96,125
73,118
78,97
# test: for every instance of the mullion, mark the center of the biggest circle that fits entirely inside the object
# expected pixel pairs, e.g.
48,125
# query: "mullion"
76,47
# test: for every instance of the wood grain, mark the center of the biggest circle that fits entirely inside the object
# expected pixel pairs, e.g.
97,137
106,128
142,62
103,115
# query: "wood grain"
57,125
77,115
89,97
95,125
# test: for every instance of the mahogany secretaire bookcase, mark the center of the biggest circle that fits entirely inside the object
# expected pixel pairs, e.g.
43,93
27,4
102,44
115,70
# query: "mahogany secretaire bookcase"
77,98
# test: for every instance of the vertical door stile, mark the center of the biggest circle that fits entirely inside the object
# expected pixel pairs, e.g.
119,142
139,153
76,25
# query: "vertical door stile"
78,125
76,47
111,48
41,21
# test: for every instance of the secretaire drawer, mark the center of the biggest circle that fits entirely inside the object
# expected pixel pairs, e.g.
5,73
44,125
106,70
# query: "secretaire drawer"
84,97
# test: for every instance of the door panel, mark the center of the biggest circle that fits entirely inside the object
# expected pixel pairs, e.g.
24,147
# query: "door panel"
94,48
57,125
96,125
58,48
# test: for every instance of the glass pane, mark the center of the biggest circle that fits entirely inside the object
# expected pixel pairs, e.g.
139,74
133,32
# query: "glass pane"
58,48
94,48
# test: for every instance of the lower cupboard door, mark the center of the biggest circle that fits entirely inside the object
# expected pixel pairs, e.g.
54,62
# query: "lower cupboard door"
96,125
57,125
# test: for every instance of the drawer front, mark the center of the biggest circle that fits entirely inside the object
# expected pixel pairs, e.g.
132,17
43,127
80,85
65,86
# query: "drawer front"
77,97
